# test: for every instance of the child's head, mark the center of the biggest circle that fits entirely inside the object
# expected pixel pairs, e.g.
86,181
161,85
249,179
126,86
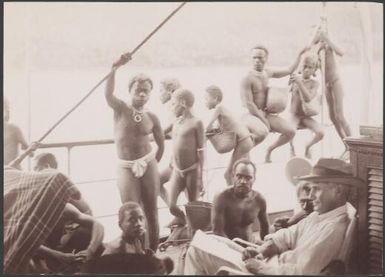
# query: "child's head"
167,87
139,87
44,160
303,195
213,96
182,100
131,220
309,65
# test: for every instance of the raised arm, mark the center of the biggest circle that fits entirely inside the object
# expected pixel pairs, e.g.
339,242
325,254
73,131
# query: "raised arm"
218,215
262,217
112,100
248,101
307,94
16,162
158,136
325,37
282,72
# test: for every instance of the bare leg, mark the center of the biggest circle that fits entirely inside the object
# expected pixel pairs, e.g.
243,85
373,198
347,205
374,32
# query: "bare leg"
337,94
333,113
256,127
295,120
191,185
314,126
128,185
285,128
177,186
165,175
241,149
292,148
150,190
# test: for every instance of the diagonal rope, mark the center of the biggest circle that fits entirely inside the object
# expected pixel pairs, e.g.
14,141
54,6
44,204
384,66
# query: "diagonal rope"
23,155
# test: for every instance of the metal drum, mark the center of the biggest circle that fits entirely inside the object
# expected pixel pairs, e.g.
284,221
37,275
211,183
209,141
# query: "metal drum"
276,99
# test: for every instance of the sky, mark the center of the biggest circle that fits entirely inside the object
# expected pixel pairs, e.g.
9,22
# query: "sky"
91,34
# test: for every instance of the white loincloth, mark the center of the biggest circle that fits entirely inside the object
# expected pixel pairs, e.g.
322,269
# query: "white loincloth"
138,166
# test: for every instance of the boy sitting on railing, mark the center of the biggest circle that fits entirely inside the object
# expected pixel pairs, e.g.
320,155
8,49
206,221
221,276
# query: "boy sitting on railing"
227,123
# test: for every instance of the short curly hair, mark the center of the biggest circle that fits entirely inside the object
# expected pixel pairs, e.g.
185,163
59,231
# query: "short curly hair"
170,84
46,158
127,206
140,78
186,95
246,162
215,91
262,47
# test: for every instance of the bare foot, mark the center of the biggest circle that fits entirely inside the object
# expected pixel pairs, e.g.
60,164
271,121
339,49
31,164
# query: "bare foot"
177,221
308,153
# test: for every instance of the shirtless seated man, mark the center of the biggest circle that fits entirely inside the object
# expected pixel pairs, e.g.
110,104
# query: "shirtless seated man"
236,209
188,146
254,89
138,176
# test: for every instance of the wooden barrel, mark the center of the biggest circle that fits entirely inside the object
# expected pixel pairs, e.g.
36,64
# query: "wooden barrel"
198,215
276,99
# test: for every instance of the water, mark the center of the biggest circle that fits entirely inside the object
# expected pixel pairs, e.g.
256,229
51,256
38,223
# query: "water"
54,92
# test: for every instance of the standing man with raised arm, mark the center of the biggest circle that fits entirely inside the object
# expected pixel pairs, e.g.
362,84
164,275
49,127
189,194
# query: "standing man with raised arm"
138,176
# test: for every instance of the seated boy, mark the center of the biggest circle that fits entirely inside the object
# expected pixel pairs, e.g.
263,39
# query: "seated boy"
304,91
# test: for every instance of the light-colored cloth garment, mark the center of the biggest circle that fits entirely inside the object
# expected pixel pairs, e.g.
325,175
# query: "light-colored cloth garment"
182,172
306,248
119,246
201,262
138,166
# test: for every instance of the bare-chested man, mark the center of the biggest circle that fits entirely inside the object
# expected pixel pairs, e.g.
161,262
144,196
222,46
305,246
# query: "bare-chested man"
138,176
13,138
188,140
254,89
237,208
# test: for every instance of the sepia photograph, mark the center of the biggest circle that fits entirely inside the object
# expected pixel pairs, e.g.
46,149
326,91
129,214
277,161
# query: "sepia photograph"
193,138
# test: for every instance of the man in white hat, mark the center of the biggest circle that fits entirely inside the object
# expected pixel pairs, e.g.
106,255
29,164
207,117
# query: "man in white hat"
310,245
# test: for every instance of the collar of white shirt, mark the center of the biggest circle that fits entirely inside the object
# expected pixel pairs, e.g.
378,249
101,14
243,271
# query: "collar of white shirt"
333,213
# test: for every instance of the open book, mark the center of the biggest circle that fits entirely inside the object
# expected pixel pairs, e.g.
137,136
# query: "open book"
222,248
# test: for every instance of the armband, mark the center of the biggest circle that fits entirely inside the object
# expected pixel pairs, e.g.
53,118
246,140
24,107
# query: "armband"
200,149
